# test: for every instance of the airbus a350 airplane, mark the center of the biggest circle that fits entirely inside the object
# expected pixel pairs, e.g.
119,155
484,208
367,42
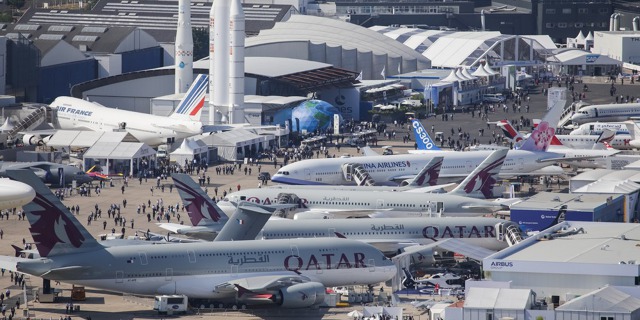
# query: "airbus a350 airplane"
289,273
77,114
387,234
607,112
325,203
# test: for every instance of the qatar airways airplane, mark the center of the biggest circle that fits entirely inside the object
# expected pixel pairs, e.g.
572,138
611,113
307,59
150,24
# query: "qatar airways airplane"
286,273
77,114
390,235
467,199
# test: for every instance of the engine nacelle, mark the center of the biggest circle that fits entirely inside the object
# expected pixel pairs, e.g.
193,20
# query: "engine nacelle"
301,295
305,215
406,182
635,143
32,140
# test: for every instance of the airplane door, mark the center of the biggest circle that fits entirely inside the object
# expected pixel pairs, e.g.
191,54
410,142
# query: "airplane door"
332,232
307,173
168,274
469,166
380,204
372,265
192,256
520,164
234,270
119,276
295,251
143,258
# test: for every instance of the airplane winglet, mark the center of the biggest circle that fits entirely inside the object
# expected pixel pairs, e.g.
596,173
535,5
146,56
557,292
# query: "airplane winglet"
338,234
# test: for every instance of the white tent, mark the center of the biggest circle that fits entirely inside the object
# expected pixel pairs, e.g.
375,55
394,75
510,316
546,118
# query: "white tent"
452,77
7,125
589,37
461,75
580,38
489,70
466,73
189,149
118,157
611,301
481,72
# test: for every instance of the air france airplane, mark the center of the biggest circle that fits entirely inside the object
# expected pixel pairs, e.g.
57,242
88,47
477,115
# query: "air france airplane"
387,234
288,273
77,114
607,112
467,199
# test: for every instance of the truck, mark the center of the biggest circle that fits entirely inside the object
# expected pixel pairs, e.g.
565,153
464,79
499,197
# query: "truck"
171,304
163,151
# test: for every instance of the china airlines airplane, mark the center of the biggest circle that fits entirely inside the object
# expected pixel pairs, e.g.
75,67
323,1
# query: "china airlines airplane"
77,114
390,235
286,273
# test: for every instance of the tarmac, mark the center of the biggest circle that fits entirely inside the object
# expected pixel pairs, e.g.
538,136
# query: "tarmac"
105,305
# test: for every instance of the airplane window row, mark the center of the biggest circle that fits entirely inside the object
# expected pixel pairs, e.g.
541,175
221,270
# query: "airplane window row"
341,203
144,275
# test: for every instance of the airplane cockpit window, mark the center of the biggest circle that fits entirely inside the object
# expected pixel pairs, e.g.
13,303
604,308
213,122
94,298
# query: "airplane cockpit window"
286,173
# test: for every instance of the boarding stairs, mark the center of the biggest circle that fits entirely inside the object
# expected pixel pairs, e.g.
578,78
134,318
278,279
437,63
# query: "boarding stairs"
31,121
512,234
565,117
357,173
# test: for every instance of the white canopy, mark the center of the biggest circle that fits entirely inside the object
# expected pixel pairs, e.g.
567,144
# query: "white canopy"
466,73
188,150
452,77
589,37
481,72
489,70
460,75
580,38
7,125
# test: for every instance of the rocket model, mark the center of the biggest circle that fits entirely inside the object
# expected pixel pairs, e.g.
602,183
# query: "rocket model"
236,63
219,65
226,62
184,48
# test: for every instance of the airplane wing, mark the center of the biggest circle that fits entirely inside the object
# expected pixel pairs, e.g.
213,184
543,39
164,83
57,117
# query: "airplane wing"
272,288
177,128
368,152
430,189
339,213
454,245
173,227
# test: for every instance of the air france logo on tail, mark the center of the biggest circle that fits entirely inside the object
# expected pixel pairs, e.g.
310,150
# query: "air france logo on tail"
51,219
198,208
193,100
484,180
422,137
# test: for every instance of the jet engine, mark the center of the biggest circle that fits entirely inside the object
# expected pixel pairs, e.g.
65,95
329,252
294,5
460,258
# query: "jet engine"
34,140
302,295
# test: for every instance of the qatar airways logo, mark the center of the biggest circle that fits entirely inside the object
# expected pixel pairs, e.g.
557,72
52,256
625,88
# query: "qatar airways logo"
387,165
434,232
75,111
422,134
326,261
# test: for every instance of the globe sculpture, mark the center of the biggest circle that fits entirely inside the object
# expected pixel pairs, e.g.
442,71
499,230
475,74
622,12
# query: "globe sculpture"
313,115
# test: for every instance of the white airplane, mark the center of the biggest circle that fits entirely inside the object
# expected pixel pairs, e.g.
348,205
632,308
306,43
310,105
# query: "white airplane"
531,159
441,280
464,200
286,273
77,114
596,128
412,236
14,194
606,112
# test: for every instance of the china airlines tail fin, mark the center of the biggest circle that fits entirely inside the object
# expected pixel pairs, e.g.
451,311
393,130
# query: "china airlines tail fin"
428,176
423,139
480,182
200,208
190,107
542,135
54,229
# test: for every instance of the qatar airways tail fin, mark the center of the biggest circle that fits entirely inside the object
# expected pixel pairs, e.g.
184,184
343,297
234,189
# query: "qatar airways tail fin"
428,176
54,229
544,133
479,183
201,210
423,139
190,107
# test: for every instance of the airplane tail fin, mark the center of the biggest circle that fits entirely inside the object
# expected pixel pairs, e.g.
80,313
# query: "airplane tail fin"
190,107
408,281
201,209
542,135
604,140
480,182
423,139
245,223
509,131
54,229
428,176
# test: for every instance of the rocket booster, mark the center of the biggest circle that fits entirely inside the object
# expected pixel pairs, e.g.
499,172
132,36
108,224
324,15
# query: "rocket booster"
218,58
183,48
236,63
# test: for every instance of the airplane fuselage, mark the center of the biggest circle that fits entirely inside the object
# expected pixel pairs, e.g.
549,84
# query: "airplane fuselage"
456,166
197,269
77,114
607,113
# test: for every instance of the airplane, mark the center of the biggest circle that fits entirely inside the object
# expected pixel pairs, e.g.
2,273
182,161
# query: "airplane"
606,112
287,273
390,235
423,140
467,199
14,194
595,128
441,280
634,133
574,141
49,172
99,175
77,114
